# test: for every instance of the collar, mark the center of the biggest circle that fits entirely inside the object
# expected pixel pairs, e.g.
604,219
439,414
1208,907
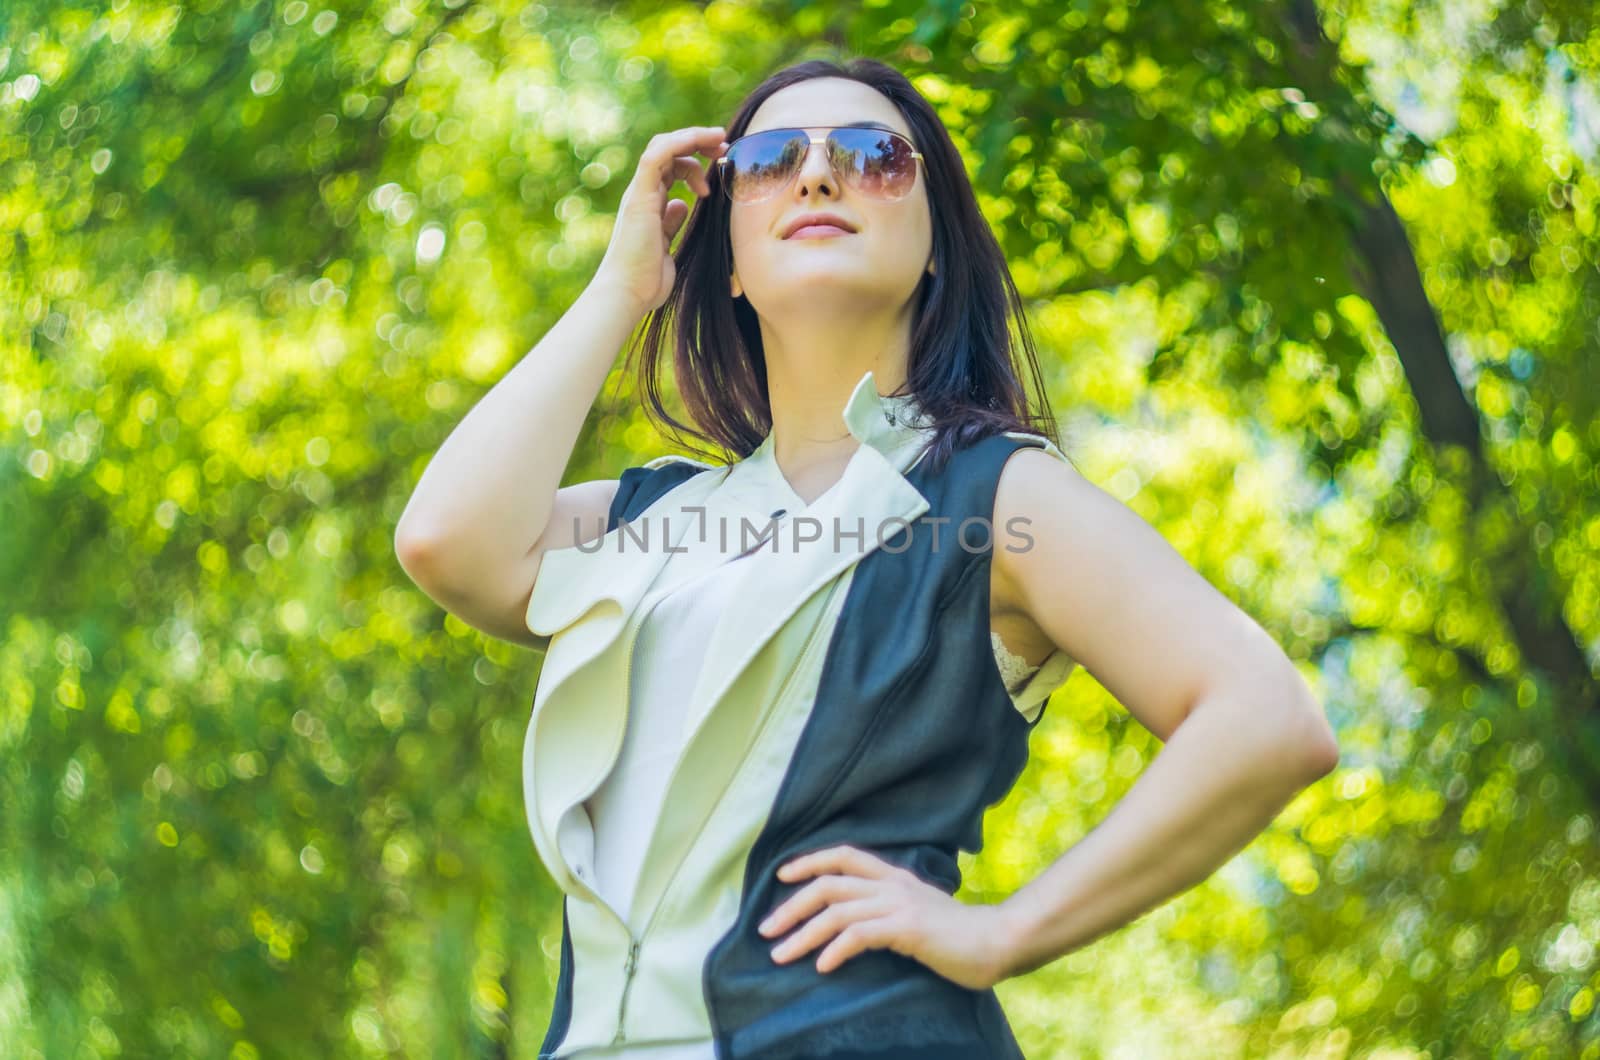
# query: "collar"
893,424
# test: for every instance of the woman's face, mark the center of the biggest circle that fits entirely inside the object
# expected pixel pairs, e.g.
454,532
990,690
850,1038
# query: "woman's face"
878,265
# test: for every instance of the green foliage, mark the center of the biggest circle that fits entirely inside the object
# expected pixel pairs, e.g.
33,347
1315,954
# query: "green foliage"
259,796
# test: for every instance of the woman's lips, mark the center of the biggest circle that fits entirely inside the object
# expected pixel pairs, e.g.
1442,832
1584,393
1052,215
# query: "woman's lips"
819,232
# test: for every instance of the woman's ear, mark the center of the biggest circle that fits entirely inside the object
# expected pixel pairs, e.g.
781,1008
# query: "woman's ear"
734,284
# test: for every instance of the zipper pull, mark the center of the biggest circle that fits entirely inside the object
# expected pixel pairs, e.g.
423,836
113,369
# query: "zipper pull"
627,980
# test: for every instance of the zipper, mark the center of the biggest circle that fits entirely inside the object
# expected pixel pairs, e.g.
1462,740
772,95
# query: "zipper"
584,885
631,964
627,982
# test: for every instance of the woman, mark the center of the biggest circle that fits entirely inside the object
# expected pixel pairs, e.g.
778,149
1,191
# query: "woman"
753,756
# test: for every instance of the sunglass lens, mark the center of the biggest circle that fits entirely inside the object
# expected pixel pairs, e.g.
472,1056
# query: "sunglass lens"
875,162
762,163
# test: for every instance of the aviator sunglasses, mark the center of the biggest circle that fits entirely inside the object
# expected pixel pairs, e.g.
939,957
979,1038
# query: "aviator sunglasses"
873,161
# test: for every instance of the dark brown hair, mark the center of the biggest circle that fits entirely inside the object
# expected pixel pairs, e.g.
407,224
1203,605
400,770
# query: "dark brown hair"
961,366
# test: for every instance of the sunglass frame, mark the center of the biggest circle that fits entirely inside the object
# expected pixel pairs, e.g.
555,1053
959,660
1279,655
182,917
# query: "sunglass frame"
727,184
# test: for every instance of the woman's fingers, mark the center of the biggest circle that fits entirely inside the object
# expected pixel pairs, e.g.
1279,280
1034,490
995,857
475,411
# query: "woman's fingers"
638,259
691,172
672,217
664,151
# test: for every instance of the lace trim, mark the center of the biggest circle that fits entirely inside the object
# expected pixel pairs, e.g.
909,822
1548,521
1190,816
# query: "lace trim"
1030,686
1013,667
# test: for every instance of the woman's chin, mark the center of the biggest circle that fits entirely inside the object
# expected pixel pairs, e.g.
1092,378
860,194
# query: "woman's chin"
808,275
808,295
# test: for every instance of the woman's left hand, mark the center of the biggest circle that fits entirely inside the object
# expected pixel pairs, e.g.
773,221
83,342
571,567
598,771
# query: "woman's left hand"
866,903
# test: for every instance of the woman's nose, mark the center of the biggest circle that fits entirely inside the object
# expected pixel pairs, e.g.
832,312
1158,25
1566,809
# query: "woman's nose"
815,166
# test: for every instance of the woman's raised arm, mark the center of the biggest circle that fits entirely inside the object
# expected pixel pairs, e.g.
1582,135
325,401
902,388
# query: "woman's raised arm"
475,525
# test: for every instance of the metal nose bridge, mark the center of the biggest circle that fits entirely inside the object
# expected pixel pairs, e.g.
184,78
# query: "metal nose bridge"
805,159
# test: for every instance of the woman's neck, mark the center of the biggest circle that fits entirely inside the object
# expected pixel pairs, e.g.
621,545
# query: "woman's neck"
810,441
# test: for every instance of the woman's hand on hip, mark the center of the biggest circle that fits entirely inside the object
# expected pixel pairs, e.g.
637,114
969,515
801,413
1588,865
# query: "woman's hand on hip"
859,902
